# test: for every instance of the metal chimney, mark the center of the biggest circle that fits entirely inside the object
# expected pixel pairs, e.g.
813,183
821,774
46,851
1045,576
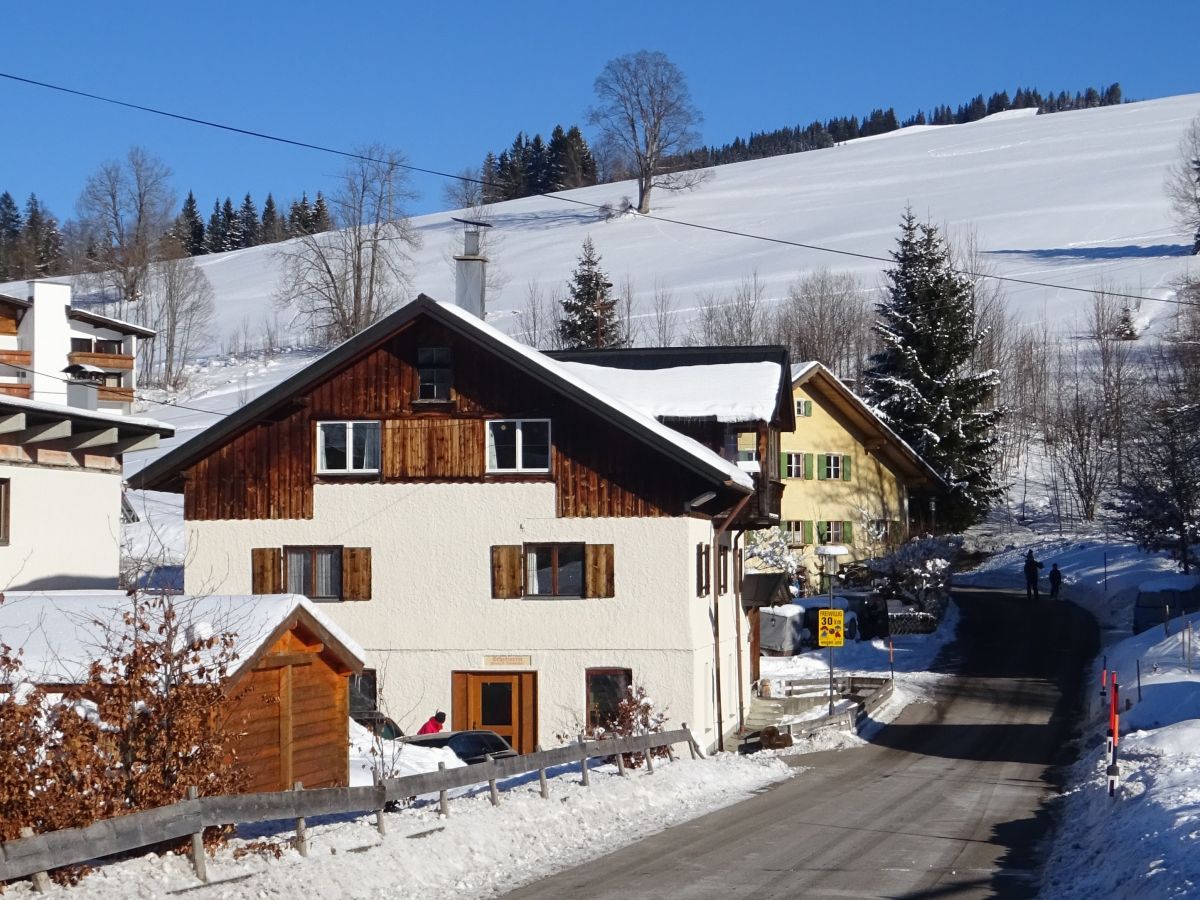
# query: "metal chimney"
470,269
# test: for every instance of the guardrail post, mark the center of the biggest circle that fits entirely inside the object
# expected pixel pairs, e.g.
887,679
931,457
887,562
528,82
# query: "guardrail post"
650,759
621,764
443,797
301,826
583,758
380,825
199,861
545,787
41,881
691,740
670,754
493,791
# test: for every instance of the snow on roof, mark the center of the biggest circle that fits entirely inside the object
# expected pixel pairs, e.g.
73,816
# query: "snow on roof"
1170,583
799,370
561,371
76,412
61,632
728,392
786,610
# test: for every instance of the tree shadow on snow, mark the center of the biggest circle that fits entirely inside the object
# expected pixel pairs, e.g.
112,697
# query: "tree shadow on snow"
1100,254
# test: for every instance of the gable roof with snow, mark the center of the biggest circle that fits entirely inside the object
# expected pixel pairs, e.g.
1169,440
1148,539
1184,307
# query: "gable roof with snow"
872,431
733,385
60,633
166,472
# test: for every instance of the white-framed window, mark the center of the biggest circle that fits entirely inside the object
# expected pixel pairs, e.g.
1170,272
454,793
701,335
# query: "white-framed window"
830,465
833,532
803,407
518,445
793,465
793,531
345,448
750,455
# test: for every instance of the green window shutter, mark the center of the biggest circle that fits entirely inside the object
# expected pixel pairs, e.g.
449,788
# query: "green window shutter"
821,466
807,407
806,531
845,468
847,533
808,466
783,461
822,531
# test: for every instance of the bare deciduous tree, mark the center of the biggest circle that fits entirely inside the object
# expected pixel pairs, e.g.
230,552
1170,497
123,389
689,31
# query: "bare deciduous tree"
662,330
1182,183
179,306
646,119
1076,436
826,317
538,319
738,320
1110,328
340,282
125,208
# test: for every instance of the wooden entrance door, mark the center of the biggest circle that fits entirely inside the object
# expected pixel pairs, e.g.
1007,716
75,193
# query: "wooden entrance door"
503,702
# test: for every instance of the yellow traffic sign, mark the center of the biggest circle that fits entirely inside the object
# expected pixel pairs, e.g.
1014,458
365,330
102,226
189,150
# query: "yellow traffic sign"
830,628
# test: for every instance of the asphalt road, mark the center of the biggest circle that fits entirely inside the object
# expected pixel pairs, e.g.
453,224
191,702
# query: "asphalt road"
949,801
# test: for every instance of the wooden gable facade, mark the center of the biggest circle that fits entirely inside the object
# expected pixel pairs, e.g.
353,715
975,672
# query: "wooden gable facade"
268,469
290,707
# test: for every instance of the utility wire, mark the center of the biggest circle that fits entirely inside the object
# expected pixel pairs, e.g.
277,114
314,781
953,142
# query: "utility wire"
554,196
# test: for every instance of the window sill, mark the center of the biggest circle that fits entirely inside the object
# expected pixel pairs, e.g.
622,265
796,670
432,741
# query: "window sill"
352,476
433,404
532,475
557,597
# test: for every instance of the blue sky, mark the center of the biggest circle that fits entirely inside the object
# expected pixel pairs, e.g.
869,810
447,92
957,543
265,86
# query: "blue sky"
446,82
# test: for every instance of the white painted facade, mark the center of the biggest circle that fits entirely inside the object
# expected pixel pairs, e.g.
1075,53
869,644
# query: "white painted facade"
64,528
432,612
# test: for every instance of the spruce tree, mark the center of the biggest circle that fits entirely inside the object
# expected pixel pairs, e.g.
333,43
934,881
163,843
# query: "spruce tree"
321,220
249,224
231,227
300,217
272,224
589,312
214,239
922,381
10,237
189,228
41,242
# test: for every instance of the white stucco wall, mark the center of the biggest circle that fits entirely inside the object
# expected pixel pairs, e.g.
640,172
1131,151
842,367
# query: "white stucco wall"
432,613
65,529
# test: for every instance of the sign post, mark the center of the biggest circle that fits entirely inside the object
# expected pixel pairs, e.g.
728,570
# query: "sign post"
830,633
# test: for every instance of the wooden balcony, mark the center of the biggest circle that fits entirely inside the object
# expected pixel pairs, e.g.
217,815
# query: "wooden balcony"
17,357
101,360
14,390
763,509
115,394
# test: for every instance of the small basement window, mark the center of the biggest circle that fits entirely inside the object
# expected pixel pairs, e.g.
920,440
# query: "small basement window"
606,688
433,373
347,447
518,445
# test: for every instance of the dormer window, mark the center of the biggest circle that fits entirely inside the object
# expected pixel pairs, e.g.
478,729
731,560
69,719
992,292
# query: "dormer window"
433,374
347,448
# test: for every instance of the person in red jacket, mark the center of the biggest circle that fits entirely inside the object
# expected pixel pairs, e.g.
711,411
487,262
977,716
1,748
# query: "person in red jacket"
434,725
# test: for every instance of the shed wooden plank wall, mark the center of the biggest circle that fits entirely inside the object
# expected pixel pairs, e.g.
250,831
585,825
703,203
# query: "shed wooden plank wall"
267,472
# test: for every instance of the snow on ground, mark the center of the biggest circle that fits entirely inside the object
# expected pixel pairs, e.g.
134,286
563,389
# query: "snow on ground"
479,851
1145,842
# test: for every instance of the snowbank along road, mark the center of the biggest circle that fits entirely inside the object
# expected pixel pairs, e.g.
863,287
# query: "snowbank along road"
950,800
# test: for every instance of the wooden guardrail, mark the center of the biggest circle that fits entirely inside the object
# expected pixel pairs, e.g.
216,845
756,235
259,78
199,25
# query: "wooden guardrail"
36,854
873,691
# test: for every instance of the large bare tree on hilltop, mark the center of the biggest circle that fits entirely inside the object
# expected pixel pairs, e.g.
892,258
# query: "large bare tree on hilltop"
646,119
342,281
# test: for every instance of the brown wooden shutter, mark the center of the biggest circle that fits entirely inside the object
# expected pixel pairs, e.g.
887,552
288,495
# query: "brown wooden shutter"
266,570
356,573
598,570
723,570
701,573
507,580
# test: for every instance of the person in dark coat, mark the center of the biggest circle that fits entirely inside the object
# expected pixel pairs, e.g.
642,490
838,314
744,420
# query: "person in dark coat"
1031,577
434,724
1055,581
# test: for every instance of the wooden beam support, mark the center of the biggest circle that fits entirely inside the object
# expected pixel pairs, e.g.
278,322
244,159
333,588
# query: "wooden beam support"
283,660
84,439
47,431
134,444
14,422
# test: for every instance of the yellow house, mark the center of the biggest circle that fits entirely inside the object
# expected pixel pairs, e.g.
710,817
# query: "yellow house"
847,476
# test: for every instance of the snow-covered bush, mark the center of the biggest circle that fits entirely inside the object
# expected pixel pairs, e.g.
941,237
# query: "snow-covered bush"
635,715
770,547
919,571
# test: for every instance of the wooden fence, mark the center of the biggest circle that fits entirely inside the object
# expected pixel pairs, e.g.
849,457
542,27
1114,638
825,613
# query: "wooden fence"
36,854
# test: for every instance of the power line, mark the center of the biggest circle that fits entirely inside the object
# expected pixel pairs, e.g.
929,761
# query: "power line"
554,196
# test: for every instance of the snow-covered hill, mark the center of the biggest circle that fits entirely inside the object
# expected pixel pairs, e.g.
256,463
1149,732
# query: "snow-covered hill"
1070,198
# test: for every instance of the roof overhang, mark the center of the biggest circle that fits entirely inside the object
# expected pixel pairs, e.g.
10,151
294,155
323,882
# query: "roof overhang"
25,422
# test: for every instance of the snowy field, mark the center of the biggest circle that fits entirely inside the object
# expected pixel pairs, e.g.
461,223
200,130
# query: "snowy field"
479,851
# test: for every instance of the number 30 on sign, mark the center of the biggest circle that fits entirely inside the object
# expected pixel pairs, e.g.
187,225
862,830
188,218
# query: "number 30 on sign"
829,628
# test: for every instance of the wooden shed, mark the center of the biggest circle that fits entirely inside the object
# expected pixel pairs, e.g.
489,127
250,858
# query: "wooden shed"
288,698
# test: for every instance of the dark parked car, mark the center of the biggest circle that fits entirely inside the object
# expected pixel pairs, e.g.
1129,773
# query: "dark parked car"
469,746
379,725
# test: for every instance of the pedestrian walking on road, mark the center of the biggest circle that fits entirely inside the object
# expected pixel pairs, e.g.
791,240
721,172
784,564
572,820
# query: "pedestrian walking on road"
1055,581
1031,577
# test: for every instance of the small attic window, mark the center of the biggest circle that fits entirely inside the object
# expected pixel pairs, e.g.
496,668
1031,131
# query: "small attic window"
434,374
